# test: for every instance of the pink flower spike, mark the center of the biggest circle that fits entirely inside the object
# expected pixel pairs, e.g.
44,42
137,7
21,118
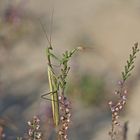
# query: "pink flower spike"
124,97
125,92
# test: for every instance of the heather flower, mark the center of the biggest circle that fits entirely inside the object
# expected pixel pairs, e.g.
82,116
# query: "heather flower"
117,107
34,132
65,117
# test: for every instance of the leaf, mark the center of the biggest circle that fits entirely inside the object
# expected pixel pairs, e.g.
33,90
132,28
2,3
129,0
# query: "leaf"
128,63
126,69
132,67
128,75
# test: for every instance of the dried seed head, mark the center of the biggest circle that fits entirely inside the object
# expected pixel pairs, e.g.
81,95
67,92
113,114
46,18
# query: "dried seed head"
36,119
117,109
123,102
68,120
38,135
62,118
67,110
110,102
125,91
37,127
69,115
30,132
66,127
120,107
115,122
34,129
59,98
65,117
60,108
65,136
112,109
116,92
124,97
116,117
29,123
61,132
115,113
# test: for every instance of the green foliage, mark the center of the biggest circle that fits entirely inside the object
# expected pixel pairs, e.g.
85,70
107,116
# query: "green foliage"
130,63
65,68
92,89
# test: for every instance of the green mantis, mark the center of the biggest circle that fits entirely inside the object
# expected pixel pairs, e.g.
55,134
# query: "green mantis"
57,82
53,83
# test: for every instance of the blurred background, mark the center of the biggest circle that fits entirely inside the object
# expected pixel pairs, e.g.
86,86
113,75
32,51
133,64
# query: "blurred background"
106,29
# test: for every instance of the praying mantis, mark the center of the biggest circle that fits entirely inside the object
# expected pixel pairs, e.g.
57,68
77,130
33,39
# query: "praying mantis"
57,83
